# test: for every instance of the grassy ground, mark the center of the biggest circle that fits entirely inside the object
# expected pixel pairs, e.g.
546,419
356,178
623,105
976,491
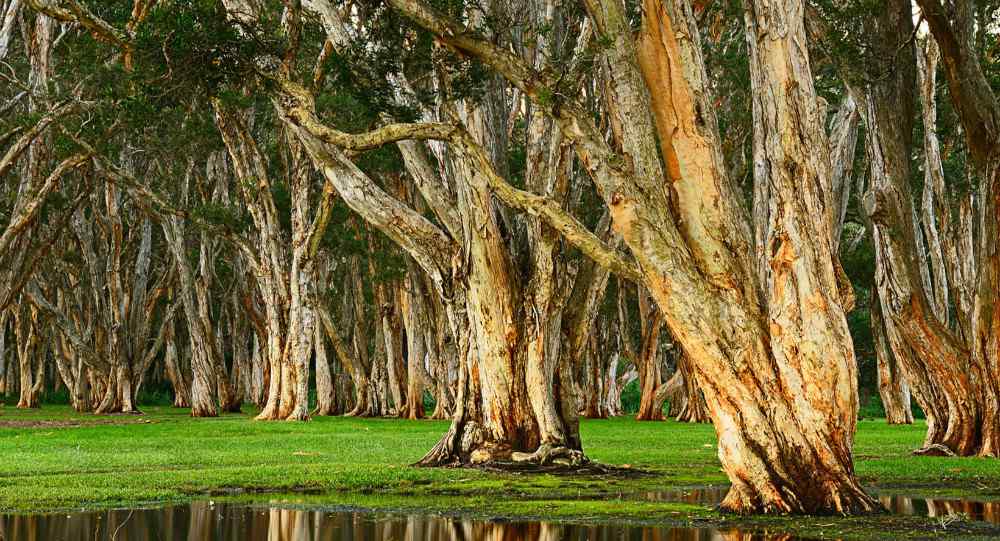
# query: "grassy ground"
54,458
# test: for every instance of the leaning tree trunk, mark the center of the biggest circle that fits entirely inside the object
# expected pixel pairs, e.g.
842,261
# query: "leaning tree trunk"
977,429
778,379
940,367
791,383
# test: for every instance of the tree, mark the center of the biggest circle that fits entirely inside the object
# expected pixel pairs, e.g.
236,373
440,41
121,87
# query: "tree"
692,242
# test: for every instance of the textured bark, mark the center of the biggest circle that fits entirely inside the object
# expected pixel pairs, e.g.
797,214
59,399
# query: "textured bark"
892,386
497,417
951,377
977,430
693,408
177,377
419,345
694,256
363,367
30,368
889,108
284,275
648,361
204,397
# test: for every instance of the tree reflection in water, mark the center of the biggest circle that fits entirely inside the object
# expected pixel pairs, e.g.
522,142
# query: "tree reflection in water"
208,521
204,521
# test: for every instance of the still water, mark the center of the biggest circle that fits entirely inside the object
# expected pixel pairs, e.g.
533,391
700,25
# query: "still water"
204,521
967,509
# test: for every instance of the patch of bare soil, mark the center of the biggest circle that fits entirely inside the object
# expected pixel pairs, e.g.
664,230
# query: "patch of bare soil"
67,423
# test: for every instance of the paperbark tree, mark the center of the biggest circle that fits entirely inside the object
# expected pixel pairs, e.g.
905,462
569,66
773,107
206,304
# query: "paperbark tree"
778,378
510,402
892,386
973,365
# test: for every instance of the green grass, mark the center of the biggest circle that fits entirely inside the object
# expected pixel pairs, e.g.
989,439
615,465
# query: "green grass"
167,456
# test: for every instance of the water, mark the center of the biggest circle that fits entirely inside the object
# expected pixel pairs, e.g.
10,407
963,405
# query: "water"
941,508
202,521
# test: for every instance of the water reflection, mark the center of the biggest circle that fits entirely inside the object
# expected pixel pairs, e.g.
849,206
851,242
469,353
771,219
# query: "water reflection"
202,521
895,504
973,510
706,495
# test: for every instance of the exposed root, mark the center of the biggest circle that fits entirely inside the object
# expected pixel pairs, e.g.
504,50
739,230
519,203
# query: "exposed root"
934,449
848,499
552,454
444,452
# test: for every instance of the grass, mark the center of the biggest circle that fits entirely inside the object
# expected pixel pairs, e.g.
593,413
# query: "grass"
54,458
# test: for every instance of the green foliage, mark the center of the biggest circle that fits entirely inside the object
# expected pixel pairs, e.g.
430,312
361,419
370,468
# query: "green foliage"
222,215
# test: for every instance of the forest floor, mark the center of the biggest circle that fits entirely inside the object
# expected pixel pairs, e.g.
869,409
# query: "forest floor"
55,459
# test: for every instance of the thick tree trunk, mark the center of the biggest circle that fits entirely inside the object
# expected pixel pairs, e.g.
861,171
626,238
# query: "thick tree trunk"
780,378
515,398
940,367
203,397
806,325
972,372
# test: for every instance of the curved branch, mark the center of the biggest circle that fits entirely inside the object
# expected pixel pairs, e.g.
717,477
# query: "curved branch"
426,242
77,12
549,211
28,211
14,152
87,353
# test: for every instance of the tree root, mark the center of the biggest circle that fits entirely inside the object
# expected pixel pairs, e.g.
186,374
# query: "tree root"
845,499
552,454
934,449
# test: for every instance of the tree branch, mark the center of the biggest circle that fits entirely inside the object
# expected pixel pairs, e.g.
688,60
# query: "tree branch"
77,12
549,211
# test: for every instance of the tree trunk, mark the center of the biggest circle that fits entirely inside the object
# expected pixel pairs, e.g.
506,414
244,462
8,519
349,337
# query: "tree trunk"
203,385
175,375
975,427
26,324
416,322
648,362
892,386
393,316
694,409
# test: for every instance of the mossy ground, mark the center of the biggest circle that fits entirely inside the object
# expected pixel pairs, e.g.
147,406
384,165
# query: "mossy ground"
54,458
